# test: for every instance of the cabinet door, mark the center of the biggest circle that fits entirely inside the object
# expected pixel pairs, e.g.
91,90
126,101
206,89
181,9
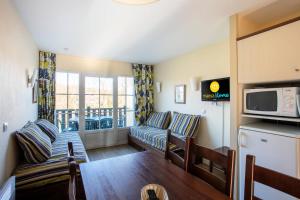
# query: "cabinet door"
275,152
270,56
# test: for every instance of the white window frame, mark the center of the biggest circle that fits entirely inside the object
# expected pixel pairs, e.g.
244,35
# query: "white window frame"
67,94
115,95
125,95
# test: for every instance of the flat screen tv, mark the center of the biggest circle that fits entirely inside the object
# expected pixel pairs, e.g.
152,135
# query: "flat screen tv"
216,89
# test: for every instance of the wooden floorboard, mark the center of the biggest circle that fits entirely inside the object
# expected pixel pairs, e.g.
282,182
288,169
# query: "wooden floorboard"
109,152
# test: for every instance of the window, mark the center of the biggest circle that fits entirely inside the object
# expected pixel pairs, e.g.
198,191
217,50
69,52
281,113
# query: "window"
126,102
97,96
98,103
67,101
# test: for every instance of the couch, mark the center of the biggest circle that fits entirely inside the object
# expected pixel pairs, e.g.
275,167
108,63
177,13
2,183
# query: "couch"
153,136
56,168
49,179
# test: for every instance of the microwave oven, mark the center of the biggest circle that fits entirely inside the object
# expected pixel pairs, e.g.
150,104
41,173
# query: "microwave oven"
273,101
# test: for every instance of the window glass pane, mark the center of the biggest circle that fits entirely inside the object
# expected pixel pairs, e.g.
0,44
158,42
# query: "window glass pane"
99,108
106,86
67,120
121,85
91,85
106,122
61,83
59,120
126,101
61,102
106,101
121,101
73,83
91,112
92,119
106,112
130,119
73,101
67,101
130,86
121,117
130,102
73,123
92,101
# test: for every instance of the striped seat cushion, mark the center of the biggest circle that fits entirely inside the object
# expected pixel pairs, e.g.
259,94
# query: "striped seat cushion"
159,120
47,127
35,143
155,137
184,124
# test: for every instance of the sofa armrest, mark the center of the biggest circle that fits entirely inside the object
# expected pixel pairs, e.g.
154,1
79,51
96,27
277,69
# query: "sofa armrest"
175,140
70,152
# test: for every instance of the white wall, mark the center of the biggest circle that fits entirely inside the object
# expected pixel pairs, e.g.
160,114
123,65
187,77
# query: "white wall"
91,65
206,63
18,54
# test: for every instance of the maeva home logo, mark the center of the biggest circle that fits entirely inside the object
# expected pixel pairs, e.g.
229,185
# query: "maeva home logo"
216,90
214,86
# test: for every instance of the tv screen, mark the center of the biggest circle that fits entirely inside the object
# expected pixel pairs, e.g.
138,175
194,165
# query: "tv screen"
216,90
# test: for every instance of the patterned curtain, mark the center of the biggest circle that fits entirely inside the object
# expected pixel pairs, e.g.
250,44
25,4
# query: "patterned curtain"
143,83
46,99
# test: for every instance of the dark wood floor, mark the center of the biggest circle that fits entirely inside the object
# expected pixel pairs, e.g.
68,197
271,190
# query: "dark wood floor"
109,152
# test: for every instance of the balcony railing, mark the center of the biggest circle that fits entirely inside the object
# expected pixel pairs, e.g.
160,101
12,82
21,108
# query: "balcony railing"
102,118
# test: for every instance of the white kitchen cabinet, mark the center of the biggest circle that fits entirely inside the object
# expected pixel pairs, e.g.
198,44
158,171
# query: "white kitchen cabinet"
275,147
271,56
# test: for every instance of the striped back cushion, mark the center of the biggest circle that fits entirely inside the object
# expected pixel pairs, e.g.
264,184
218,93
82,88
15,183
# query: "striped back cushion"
159,120
47,127
35,143
184,124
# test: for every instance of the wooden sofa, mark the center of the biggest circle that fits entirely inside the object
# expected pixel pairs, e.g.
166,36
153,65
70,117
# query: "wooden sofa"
137,139
50,179
154,139
142,145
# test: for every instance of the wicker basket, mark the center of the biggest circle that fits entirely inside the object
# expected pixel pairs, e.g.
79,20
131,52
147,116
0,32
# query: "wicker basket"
160,192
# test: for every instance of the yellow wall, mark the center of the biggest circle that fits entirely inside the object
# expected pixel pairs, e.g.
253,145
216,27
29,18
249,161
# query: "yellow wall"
206,63
18,54
91,65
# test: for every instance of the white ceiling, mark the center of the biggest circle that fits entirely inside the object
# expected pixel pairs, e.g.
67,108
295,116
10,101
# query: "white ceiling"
145,34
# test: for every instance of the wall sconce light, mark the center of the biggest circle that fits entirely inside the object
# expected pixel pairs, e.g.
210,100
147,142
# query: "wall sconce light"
32,78
158,87
194,81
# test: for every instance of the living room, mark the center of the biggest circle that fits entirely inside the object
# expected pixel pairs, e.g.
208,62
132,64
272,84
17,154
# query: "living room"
124,88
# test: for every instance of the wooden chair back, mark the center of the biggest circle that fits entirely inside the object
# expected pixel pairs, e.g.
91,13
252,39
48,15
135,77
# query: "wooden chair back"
175,155
72,171
226,162
72,180
70,149
276,180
